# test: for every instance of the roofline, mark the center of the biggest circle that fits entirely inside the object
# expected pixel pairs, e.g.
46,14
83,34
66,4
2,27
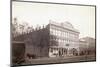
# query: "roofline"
66,28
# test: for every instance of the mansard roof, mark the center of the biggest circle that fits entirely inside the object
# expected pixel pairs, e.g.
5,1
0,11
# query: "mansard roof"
65,24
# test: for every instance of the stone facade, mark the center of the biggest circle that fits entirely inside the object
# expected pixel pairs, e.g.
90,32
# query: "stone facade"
66,36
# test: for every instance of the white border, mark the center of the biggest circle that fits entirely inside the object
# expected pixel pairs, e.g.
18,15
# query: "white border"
5,33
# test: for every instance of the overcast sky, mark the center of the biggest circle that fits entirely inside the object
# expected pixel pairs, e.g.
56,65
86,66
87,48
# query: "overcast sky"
81,17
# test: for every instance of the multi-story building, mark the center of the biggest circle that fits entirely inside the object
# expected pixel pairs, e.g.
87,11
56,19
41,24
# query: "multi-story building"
66,36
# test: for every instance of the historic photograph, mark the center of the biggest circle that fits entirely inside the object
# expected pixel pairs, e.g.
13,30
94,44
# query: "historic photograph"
50,33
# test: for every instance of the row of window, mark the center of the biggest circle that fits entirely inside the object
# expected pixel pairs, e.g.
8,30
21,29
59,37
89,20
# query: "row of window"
63,42
63,34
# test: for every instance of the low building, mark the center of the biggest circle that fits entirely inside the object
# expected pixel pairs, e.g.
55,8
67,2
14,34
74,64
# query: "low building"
87,46
18,52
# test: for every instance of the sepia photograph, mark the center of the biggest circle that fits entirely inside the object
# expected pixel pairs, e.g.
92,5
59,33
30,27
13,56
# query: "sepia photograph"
52,33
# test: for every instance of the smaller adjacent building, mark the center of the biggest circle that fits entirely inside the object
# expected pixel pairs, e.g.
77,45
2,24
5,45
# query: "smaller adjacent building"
18,52
87,45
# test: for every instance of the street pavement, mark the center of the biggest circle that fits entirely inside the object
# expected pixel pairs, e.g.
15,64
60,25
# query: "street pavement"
69,59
